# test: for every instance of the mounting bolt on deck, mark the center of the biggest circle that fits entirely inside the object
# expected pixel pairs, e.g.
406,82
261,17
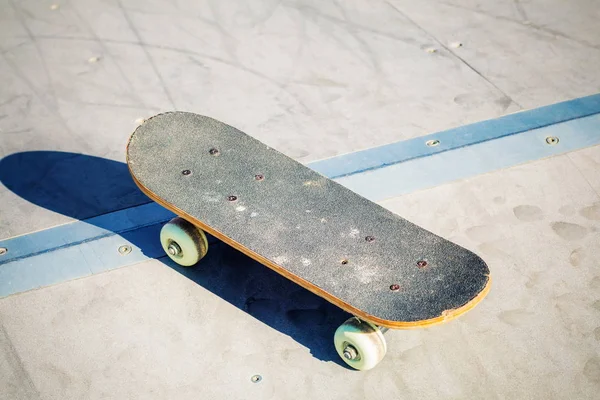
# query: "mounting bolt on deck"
232,198
370,238
186,172
213,152
552,140
395,287
256,378
422,263
3,251
259,177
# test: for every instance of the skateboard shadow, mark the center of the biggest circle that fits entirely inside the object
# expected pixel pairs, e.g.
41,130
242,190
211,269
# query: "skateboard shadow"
82,187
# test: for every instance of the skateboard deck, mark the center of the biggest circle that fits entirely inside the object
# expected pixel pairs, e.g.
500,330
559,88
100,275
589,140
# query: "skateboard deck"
350,251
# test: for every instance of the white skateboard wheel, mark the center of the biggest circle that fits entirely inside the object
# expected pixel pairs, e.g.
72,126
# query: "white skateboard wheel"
183,242
360,344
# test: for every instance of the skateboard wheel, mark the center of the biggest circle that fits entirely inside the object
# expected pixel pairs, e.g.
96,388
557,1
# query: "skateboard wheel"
360,344
183,242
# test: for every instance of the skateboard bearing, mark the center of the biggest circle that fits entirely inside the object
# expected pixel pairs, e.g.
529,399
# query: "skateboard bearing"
350,352
174,249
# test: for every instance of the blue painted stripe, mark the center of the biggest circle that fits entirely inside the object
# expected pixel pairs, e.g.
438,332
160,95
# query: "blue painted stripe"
426,172
74,233
85,259
87,247
452,139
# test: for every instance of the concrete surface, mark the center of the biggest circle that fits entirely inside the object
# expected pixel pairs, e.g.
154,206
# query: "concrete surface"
312,79
151,331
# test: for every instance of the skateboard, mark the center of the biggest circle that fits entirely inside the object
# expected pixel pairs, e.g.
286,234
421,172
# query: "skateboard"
384,270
